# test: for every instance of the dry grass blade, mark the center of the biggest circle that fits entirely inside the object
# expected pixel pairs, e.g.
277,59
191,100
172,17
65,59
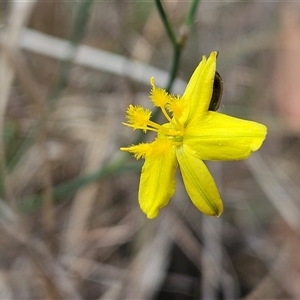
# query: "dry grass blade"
5,288
101,60
148,267
38,97
38,253
282,276
119,234
18,17
211,257
98,141
184,238
276,193
104,241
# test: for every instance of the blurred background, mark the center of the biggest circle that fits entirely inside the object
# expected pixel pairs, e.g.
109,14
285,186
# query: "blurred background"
70,225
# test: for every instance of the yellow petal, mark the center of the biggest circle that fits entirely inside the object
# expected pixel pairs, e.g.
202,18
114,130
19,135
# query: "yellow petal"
221,137
157,184
199,183
199,90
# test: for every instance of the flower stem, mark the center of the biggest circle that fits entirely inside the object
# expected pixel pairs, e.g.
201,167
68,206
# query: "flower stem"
192,12
178,44
166,22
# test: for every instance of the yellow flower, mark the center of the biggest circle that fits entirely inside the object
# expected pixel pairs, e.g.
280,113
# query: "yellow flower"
191,135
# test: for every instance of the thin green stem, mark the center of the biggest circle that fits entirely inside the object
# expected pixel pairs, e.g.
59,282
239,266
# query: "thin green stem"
192,12
174,68
166,22
177,43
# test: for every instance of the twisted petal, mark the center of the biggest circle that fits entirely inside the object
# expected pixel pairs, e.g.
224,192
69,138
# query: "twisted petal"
221,137
157,184
199,90
199,184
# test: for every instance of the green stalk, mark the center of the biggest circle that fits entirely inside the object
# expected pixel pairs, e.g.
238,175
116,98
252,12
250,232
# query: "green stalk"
166,22
177,43
192,12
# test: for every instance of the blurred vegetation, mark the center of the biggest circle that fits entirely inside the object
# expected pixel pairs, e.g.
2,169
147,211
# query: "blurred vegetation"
70,225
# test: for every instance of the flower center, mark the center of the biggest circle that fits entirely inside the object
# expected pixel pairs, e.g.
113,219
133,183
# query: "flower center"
172,108
178,138
172,131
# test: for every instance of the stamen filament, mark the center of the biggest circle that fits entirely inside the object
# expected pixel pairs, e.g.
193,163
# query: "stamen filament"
159,127
145,128
163,109
178,123
154,125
